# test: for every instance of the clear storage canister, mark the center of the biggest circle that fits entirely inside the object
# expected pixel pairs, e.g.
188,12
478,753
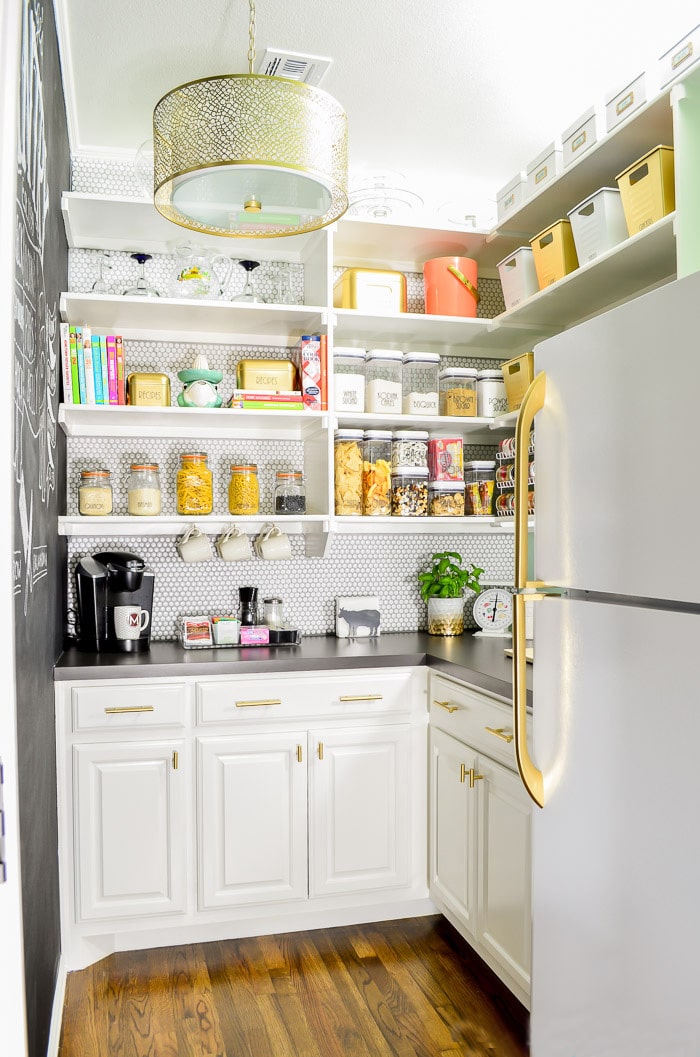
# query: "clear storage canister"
243,489
383,381
409,447
347,460
479,481
349,379
446,499
376,473
420,383
458,391
144,497
409,492
491,399
195,485
95,493
290,493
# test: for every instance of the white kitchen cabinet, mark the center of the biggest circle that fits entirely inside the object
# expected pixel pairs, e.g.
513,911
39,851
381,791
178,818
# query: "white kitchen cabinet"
480,863
252,819
359,809
130,852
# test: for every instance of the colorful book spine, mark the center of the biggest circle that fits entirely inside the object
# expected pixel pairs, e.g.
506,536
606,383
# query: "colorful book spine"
121,375
89,366
97,368
105,373
65,364
112,385
80,354
75,380
324,372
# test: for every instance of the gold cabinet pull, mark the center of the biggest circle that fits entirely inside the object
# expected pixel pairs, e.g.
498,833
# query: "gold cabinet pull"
360,697
533,401
176,759
462,773
320,750
299,754
474,778
447,706
123,709
500,732
264,701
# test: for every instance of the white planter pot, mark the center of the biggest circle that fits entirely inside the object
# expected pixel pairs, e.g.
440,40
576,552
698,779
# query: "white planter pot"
445,616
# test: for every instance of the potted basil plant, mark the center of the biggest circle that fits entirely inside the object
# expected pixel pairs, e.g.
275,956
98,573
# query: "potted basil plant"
442,586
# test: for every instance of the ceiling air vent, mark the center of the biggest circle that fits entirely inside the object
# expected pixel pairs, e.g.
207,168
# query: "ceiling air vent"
308,68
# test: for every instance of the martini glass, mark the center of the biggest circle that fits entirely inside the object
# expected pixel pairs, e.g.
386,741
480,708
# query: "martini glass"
249,293
100,285
142,289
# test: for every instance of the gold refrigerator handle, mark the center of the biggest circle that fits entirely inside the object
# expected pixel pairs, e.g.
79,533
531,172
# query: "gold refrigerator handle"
533,401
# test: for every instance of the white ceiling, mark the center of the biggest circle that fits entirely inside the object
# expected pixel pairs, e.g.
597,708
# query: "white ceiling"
458,96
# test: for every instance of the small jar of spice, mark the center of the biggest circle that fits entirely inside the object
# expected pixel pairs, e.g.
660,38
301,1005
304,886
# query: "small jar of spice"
95,493
290,493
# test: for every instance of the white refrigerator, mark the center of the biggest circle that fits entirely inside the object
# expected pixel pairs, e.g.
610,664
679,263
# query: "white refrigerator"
615,753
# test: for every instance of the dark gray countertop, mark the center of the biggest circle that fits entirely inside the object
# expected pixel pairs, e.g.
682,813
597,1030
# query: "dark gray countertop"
479,662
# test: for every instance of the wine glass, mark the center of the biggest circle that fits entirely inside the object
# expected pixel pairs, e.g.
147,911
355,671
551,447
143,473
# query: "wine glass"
249,293
100,285
282,278
142,289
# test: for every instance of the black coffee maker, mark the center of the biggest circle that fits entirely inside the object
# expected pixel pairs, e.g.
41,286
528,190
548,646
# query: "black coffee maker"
115,602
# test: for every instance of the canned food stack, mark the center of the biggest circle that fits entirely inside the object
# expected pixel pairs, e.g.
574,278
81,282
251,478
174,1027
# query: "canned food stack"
505,477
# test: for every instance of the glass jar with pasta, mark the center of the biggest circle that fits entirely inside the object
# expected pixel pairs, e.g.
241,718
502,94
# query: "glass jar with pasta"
243,489
195,488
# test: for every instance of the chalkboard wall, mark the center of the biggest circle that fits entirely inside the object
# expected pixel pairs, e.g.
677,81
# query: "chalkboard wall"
39,493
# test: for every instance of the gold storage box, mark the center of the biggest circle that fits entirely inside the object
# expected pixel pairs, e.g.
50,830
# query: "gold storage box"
370,290
517,375
148,390
268,376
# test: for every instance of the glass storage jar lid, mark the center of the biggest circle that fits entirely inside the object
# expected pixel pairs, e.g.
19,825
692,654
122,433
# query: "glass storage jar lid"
349,434
496,376
480,464
410,434
458,372
384,354
409,471
377,434
421,357
343,350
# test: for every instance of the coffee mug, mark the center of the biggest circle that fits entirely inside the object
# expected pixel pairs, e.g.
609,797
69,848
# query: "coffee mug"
194,546
234,545
272,544
130,621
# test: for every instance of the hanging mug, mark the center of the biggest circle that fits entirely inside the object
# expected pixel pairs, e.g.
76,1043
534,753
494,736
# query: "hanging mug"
234,545
194,546
272,544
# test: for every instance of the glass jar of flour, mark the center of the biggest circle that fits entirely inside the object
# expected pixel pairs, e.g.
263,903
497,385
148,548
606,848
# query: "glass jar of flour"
383,381
144,489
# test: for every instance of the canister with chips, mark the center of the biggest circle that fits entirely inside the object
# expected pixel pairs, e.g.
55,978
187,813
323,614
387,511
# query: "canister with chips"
347,458
376,473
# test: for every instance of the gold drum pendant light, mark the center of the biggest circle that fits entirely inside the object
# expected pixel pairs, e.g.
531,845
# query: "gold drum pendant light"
248,155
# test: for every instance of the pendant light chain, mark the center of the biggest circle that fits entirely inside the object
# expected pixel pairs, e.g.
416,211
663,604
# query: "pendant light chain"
251,36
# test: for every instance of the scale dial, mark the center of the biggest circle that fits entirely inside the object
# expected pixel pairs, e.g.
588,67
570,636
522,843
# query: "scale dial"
493,610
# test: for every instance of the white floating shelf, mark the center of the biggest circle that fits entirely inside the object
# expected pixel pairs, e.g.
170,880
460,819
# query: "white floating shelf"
474,430
212,525
92,420
388,526
174,319
408,329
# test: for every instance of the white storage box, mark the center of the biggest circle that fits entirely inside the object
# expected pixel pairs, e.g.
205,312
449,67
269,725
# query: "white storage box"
598,223
674,62
624,101
543,169
511,196
581,136
518,276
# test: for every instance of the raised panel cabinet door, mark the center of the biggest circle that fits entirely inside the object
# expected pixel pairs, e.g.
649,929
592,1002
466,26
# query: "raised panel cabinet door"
453,815
359,809
505,911
130,828
252,819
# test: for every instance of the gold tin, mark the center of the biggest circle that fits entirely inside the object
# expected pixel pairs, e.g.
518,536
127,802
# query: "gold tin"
370,290
148,390
266,375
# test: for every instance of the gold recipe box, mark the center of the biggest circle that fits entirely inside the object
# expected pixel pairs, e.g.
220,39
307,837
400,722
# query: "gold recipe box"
148,390
370,290
266,375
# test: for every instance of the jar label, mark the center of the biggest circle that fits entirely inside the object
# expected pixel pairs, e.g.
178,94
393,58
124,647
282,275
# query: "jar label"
383,396
350,392
420,404
460,402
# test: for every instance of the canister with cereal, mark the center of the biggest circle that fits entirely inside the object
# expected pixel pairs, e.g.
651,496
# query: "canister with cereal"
446,498
479,479
409,447
409,492
376,473
347,459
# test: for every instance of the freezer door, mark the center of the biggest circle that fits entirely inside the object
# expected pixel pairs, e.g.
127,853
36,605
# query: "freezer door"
616,848
617,494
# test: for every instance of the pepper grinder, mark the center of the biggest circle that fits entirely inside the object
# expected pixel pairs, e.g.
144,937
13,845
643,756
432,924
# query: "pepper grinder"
248,606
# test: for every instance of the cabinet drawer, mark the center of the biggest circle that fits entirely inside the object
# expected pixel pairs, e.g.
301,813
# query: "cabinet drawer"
472,717
105,707
312,694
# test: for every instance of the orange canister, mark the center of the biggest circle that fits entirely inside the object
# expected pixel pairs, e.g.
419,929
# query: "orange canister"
450,286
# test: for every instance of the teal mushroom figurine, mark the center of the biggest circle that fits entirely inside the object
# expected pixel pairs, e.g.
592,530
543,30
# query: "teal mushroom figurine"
200,385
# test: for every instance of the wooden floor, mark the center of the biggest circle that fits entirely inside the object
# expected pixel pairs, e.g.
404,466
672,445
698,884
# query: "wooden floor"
409,988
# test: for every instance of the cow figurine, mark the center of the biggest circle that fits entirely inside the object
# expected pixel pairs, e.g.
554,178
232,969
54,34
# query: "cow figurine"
360,618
